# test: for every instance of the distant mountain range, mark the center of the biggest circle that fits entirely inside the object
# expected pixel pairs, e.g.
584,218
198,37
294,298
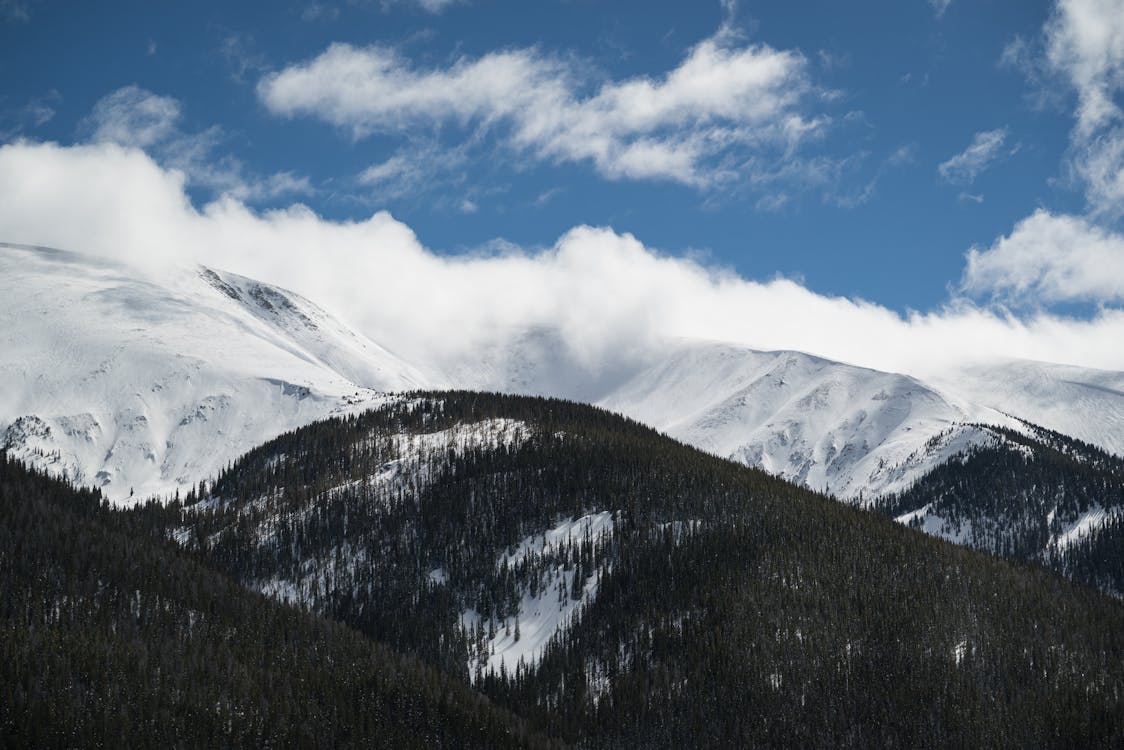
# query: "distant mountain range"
144,384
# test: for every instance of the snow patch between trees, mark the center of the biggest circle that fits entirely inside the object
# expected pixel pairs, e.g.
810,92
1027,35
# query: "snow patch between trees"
544,613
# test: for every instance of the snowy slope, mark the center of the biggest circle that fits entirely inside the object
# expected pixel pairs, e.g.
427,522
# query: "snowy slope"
830,426
1080,402
848,430
133,382
145,385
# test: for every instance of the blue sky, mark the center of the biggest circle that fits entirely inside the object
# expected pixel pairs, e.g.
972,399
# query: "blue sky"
909,89
944,160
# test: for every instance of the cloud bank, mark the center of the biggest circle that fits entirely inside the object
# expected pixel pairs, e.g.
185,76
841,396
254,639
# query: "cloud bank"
609,295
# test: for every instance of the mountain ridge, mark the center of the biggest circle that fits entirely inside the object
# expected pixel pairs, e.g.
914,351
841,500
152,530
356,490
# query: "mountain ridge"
591,574
145,385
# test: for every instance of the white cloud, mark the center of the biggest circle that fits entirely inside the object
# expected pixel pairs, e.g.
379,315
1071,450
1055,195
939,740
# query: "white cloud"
963,168
15,10
1084,44
435,6
137,118
1085,41
940,6
415,169
1050,258
132,116
607,293
320,12
726,107
37,112
240,54
1099,161
903,156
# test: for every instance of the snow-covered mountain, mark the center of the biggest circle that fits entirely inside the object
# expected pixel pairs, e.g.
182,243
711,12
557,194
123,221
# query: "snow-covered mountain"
851,431
142,385
848,430
145,384
1083,403
833,427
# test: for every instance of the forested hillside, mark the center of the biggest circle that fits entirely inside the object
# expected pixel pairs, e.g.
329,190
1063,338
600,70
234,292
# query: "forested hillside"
1041,497
111,637
617,588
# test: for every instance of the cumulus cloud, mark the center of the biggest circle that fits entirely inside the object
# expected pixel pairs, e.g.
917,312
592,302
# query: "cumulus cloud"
985,149
1050,258
727,109
137,118
607,293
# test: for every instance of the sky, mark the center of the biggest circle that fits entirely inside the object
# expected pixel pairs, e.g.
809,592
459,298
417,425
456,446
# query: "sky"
885,182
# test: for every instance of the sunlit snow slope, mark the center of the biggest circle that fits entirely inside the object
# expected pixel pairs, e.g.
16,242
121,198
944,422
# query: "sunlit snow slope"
833,427
847,430
851,431
145,385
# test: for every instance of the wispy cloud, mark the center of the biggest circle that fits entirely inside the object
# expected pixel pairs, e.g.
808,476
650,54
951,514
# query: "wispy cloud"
320,12
419,168
37,112
430,6
547,196
138,118
1085,43
1081,53
985,149
727,111
132,116
18,11
903,155
240,54
940,6
1050,257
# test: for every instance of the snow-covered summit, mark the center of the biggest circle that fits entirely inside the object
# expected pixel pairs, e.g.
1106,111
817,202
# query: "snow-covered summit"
143,384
